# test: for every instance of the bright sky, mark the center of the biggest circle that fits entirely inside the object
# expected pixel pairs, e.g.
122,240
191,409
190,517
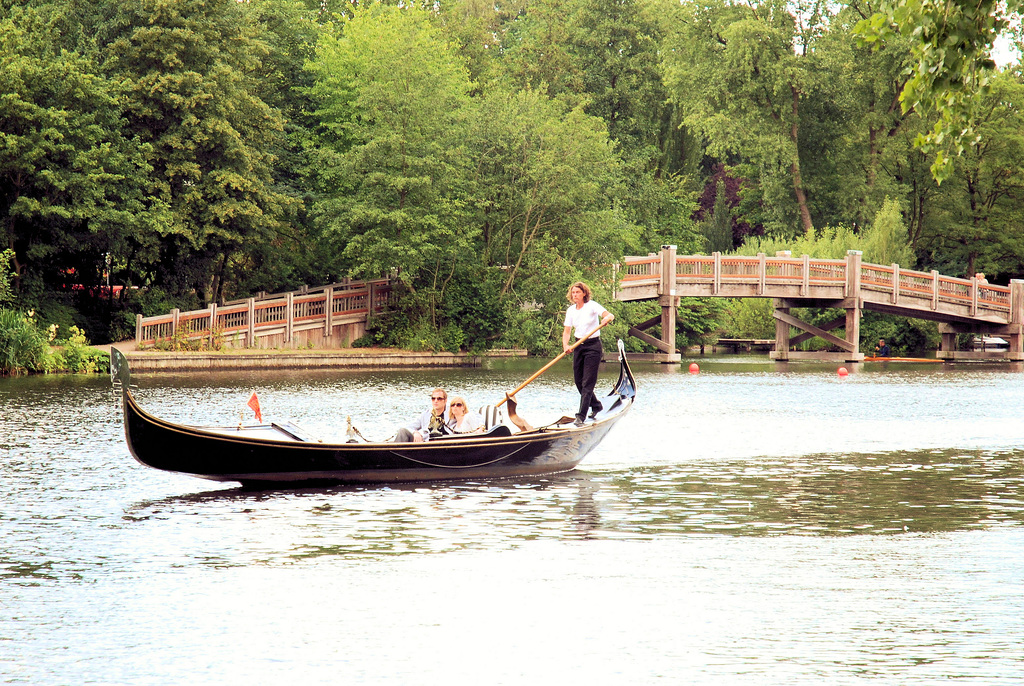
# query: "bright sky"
1004,52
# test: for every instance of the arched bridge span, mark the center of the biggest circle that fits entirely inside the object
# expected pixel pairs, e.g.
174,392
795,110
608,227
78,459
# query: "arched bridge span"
959,305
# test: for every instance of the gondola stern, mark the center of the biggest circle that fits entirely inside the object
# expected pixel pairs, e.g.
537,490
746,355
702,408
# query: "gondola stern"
625,387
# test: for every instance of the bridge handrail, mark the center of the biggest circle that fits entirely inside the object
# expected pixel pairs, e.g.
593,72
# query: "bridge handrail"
884,278
266,315
776,268
639,268
337,286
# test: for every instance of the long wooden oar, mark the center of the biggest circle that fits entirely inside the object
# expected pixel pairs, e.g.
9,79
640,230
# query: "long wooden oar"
549,364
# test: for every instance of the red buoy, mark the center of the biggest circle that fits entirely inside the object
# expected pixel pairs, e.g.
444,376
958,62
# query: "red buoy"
843,371
694,368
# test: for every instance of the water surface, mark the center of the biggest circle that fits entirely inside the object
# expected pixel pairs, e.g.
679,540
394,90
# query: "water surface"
753,523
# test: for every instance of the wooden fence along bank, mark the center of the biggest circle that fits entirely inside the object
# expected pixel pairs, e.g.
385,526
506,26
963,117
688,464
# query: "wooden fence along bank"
326,317
959,305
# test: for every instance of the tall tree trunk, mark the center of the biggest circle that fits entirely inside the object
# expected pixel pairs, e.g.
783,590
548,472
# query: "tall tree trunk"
872,158
218,280
798,186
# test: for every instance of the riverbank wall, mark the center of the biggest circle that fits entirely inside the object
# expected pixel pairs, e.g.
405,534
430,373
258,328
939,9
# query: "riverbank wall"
146,362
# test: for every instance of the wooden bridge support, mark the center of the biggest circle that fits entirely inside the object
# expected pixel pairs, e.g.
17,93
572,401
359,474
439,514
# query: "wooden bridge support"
850,322
669,301
784,322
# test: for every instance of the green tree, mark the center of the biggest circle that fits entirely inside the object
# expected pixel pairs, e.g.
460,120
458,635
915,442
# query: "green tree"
548,187
478,29
605,58
976,216
886,241
717,228
739,77
393,98
852,124
292,253
6,292
191,70
951,45
71,184
601,55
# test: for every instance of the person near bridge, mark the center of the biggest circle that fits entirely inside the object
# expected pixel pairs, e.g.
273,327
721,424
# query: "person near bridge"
585,315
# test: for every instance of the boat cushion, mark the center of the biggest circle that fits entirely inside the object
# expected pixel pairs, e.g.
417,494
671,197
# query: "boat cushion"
492,416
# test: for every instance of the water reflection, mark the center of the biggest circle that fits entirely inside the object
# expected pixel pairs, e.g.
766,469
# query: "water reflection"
822,495
819,495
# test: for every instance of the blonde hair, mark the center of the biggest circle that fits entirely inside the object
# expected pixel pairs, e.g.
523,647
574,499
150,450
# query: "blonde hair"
583,287
458,399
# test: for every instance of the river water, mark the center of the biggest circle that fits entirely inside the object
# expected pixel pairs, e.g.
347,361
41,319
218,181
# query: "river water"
753,523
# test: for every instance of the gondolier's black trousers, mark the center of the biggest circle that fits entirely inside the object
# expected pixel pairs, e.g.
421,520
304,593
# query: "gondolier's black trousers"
586,360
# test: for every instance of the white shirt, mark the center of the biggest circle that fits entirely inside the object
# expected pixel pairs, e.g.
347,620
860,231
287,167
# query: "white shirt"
585,319
471,421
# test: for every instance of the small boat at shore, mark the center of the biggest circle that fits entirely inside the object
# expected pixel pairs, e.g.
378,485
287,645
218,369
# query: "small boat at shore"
285,454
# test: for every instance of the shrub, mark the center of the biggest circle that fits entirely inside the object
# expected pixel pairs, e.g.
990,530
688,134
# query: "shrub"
23,348
78,356
6,292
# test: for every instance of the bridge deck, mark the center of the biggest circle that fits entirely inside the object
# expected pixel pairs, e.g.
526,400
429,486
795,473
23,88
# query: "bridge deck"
926,295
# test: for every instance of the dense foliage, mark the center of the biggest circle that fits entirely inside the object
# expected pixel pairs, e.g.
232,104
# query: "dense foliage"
952,45
483,156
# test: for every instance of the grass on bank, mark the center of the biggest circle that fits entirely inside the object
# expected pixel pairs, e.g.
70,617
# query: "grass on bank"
25,348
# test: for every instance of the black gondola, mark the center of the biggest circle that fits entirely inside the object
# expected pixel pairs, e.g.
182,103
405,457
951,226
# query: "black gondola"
283,454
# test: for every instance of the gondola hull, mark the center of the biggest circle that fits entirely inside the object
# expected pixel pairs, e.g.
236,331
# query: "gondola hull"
266,454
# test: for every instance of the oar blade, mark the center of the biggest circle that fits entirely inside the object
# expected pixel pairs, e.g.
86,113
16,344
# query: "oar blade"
521,423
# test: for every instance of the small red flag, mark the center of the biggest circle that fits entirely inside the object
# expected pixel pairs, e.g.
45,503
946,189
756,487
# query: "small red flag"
254,403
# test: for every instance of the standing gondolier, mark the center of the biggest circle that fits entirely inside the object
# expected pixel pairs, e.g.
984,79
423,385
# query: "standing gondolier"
585,316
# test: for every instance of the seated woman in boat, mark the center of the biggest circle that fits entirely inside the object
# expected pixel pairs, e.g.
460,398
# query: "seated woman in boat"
466,422
433,423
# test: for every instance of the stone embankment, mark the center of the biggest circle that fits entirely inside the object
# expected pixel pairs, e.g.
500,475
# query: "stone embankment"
150,361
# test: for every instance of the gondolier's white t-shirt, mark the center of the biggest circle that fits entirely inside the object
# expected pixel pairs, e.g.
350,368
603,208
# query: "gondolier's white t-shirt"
585,319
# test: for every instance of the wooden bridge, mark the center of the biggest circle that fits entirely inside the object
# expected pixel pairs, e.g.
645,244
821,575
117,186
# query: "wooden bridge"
328,316
959,305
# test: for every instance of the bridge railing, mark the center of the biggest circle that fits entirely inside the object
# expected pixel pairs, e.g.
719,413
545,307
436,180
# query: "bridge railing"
268,315
898,282
765,271
697,268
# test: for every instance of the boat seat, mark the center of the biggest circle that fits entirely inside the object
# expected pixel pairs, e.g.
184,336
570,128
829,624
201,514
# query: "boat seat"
499,431
492,416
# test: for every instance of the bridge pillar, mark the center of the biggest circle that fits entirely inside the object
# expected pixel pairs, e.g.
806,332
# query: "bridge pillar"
781,351
853,300
852,304
1015,333
784,324
669,301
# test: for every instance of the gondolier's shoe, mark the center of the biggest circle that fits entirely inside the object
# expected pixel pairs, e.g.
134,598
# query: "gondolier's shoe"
579,421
